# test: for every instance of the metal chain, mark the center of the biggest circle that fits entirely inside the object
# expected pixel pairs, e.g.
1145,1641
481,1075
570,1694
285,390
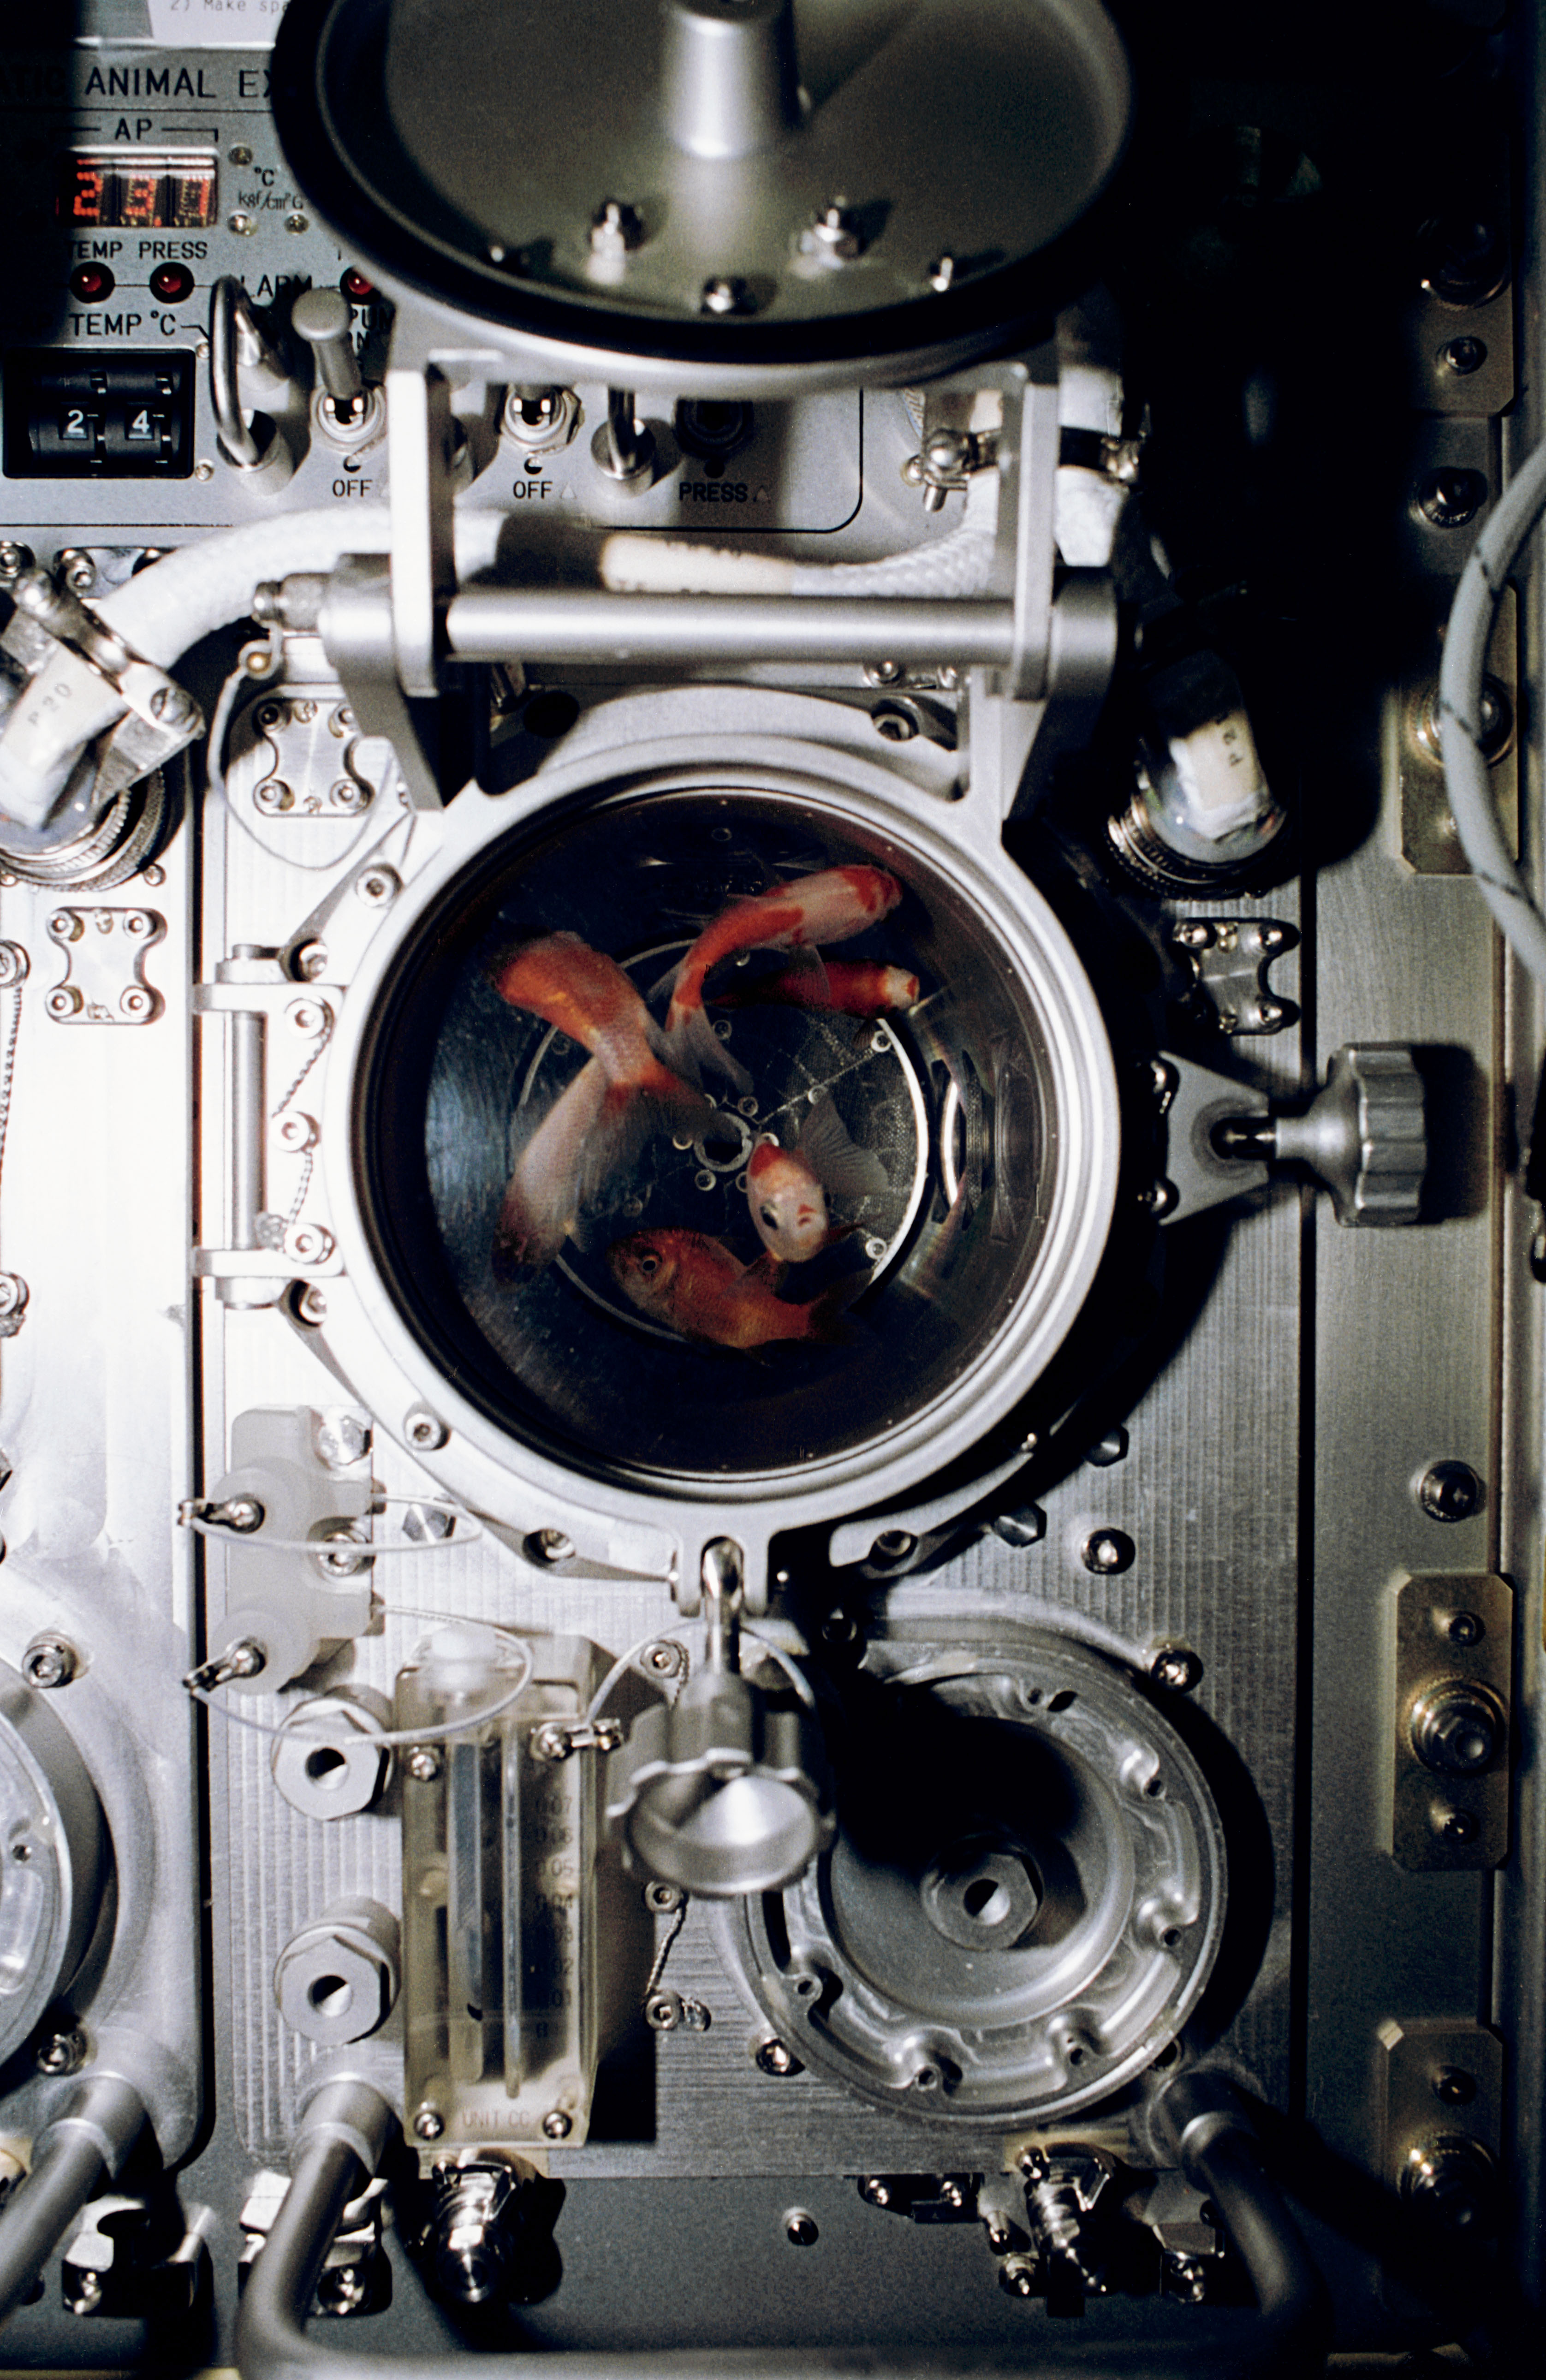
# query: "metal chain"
324,1038
13,970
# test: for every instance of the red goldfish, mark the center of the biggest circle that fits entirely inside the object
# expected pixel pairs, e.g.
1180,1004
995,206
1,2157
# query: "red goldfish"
824,908
786,1189
843,987
597,1124
697,1286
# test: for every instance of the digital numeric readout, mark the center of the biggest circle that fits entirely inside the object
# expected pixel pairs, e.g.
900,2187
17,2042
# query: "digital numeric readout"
102,189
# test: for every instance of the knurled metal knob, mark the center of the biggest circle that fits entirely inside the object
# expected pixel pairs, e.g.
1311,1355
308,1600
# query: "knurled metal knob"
1458,1728
1365,1136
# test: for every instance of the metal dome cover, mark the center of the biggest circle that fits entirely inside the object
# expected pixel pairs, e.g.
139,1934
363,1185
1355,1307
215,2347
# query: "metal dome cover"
781,180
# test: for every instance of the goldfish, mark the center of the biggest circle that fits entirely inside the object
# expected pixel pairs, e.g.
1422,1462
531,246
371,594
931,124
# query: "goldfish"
845,986
827,907
597,1124
701,1288
786,1189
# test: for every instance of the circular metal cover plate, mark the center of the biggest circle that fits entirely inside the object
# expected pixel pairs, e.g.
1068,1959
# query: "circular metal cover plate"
467,148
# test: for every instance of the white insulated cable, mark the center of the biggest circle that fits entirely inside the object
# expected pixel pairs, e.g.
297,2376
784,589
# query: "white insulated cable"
1461,684
957,563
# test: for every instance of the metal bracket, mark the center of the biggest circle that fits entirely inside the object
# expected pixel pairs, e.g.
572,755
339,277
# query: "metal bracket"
290,1599
1229,958
358,623
103,982
117,2265
1443,2119
83,682
1453,1638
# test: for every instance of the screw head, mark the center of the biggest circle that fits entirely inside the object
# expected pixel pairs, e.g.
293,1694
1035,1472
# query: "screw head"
663,1660
1465,1628
1185,2278
1456,1825
1463,357
424,1430
1457,1729
726,294
311,1304
556,2125
616,228
1178,1668
1450,1491
83,2292
424,1766
308,962
272,795
553,1546
801,2229
775,2058
663,1899
61,2052
1107,1552
1455,2086
376,887
875,2189
50,1661
429,2123
662,2012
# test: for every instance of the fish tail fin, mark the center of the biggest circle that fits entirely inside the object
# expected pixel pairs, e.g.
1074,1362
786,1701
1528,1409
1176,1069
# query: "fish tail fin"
836,1161
688,1045
666,987
544,1192
632,1112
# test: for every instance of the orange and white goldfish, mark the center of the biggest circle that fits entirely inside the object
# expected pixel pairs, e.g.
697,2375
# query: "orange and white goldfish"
596,1126
841,987
827,907
786,1189
701,1288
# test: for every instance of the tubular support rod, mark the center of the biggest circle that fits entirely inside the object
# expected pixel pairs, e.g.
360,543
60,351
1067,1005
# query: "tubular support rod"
80,2149
247,1126
495,623
1285,2340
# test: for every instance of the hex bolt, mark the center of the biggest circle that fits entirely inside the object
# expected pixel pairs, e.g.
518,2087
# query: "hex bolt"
62,2051
308,962
424,1431
894,721
616,228
50,1661
1108,1551
1450,1491
429,2124
83,2292
1178,1668
556,2125
800,2230
775,2058
1450,497
424,1764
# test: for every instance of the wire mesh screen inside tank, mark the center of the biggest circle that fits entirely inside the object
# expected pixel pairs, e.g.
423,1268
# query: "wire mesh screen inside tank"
657,1333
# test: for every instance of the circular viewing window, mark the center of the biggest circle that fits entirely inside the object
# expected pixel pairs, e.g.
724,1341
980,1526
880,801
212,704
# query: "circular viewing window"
682,1316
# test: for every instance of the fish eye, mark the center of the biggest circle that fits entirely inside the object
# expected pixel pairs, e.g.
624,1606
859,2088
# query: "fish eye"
649,1264
767,1216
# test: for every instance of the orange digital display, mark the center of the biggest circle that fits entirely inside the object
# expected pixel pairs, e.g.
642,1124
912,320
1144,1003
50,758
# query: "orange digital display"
138,190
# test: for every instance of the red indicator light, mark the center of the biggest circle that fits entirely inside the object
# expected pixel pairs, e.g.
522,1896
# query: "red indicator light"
354,284
91,282
171,282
